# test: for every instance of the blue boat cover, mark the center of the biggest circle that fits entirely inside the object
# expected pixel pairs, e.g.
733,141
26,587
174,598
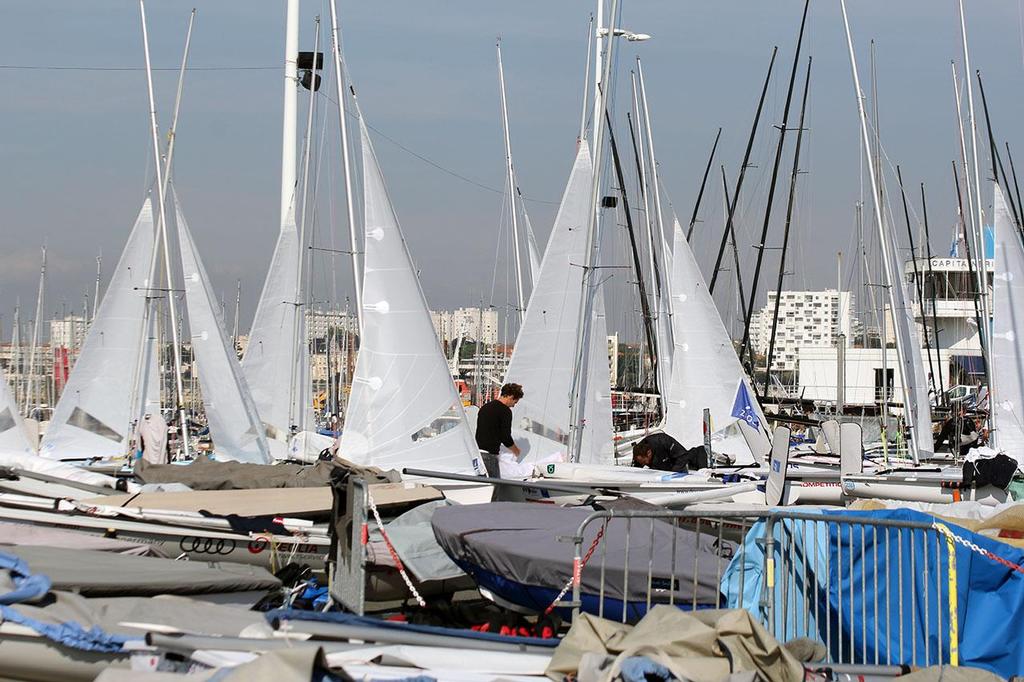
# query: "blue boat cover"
827,568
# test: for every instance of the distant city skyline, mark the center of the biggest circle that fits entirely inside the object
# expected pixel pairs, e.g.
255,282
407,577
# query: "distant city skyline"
77,155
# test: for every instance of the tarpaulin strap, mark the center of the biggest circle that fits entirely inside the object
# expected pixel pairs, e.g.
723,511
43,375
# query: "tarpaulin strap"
394,554
954,629
577,569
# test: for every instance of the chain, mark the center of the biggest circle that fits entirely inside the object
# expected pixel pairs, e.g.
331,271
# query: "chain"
577,570
978,550
394,554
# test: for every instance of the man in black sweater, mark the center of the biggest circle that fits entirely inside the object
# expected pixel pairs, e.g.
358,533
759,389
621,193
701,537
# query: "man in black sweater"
494,426
663,452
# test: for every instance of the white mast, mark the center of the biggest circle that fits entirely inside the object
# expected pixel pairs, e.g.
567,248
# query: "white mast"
586,80
297,400
357,272
521,298
30,388
291,100
578,396
96,296
172,307
884,243
238,301
980,270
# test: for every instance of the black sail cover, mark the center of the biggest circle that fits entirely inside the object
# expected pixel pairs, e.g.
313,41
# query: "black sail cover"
514,548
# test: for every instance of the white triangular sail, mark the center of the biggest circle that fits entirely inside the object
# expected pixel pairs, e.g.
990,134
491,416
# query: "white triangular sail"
14,438
912,372
403,409
544,354
230,413
94,414
706,372
599,432
1007,369
274,357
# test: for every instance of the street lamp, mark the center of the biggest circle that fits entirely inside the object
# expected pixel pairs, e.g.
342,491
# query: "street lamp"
624,33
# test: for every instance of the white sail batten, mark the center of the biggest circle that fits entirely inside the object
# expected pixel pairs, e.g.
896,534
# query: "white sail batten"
706,372
93,417
231,415
543,357
1007,369
14,437
403,409
271,363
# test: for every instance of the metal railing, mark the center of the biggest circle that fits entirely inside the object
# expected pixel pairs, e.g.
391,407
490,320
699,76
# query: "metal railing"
871,591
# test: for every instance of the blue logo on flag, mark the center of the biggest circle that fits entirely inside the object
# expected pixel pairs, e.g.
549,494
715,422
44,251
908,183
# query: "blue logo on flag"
743,407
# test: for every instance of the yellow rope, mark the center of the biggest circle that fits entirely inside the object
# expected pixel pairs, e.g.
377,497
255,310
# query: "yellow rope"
954,629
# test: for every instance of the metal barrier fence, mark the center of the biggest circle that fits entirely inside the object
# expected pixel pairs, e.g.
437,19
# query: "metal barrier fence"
871,591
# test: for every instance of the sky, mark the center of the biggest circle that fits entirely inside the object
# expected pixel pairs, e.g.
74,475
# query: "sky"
77,154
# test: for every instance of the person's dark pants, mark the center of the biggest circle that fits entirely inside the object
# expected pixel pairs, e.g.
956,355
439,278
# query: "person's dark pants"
502,493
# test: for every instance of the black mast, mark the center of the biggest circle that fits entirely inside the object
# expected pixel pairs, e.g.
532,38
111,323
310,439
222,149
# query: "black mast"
785,232
703,183
917,279
731,236
644,307
994,153
970,268
743,172
931,274
745,344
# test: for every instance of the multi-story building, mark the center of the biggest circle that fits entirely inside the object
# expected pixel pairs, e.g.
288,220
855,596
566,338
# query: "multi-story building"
807,319
474,324
947,327
68,332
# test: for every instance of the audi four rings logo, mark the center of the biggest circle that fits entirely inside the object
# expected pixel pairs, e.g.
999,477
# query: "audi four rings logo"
220,546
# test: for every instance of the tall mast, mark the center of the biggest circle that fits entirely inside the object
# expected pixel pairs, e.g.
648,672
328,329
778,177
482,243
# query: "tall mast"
970,234
762,243
511,179
357,271
654,182
297,383
234,329
882,238
578,395
30,386
917,279
703,184
641,161
171,305
96,295
586,80
291,101
743,172
940,397
981,272
785,233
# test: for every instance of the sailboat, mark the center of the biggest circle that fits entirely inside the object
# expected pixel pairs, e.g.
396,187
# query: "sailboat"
94,416
1007,371
706,372
230,412
403,409
542,361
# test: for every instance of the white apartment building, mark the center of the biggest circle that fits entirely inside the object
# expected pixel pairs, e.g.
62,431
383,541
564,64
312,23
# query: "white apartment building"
807,319
68,332
475,324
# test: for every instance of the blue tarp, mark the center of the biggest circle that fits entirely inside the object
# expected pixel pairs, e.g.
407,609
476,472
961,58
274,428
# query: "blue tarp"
873,573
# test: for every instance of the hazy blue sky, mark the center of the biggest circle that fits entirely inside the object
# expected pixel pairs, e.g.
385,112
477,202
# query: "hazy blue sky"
75,144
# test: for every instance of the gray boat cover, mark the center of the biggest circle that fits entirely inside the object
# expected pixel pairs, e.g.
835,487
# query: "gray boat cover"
99,574
205,474
413,539
519,543
26,534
